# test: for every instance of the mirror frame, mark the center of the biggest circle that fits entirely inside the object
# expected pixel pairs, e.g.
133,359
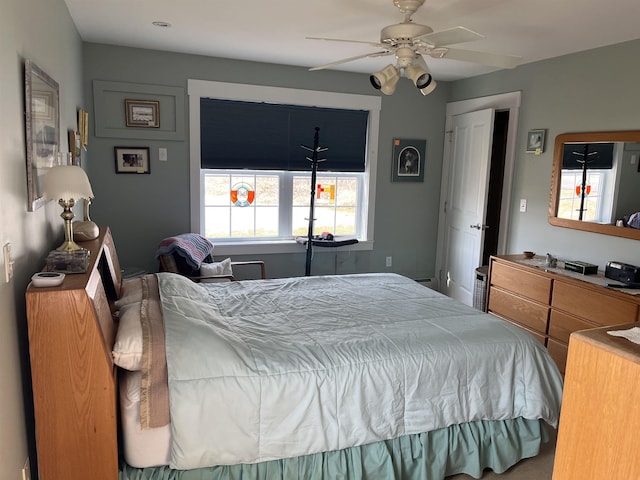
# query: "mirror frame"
586,137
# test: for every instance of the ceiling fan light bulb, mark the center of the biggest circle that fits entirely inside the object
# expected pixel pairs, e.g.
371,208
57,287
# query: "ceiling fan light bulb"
375,82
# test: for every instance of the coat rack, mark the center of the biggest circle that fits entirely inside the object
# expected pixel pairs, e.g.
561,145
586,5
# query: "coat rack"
314,168
584,161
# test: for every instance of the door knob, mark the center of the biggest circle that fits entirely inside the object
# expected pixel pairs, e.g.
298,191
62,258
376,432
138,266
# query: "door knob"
479,227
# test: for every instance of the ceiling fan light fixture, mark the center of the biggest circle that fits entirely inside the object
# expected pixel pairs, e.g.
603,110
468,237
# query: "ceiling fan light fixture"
429,88
423,81
419,74
386,79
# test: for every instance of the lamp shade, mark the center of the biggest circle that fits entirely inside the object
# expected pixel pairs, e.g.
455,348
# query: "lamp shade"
66,182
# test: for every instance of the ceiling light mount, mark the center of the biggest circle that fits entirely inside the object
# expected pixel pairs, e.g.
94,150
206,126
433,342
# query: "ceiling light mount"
405,56
408,7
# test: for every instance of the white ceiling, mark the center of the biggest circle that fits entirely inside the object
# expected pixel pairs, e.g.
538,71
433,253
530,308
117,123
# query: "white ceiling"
274,31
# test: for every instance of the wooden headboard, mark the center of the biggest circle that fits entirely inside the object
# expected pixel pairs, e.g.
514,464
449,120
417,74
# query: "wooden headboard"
71,334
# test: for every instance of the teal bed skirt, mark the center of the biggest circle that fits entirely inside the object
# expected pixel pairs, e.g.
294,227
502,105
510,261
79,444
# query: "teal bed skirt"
467,448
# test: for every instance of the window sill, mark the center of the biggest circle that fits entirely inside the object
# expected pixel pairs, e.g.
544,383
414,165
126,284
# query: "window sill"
276,247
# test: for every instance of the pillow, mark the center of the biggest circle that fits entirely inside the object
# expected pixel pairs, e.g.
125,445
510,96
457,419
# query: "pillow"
216,268
130,292
127,349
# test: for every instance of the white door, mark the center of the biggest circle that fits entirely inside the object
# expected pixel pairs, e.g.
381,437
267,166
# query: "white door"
466,202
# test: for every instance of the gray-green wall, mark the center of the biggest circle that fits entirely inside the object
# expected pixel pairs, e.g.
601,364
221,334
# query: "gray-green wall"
143,209
588,91
595,90
41,31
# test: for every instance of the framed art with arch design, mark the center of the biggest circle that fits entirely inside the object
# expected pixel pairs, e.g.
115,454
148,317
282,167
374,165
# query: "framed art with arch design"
409,158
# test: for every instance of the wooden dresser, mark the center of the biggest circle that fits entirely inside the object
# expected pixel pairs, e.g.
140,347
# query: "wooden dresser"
599,420
551,303
73,376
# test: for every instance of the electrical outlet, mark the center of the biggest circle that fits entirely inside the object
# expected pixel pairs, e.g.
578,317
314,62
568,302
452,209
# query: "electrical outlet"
26,470
389,261
8,262
523,204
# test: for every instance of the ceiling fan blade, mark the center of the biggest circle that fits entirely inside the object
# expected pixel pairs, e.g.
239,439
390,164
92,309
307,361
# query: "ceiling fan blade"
450,36
350,59
372,44
484,58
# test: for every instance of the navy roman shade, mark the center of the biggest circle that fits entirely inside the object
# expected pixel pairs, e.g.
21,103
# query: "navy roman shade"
599,156
265,136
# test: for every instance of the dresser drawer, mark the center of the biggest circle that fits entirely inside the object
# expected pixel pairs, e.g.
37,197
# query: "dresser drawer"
538,336
558,352
561,325
526,284
520,310
590,305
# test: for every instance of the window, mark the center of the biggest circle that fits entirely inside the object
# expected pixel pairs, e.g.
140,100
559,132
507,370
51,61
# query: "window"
589,173
262,205
266,205
570,196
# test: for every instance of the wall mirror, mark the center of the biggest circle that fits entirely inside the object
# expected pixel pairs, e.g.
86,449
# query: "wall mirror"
595,183
42,117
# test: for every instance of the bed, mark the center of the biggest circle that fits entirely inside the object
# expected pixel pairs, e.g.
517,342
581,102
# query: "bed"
394,384
339,376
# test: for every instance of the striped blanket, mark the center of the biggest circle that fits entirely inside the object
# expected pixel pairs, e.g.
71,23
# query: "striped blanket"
194,248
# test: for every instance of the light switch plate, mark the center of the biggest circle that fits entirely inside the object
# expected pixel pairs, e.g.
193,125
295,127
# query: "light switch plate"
8,262
162,154
523,204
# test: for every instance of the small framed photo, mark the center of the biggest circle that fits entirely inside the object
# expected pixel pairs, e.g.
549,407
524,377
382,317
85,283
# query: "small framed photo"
535,141
75,148
142,113
408,160
83,128
132,160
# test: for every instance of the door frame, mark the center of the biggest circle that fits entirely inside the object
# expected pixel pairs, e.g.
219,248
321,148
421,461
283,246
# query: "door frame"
505,101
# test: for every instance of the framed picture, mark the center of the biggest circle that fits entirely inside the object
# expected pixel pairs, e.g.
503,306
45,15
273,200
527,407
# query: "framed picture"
132,160
74,148
408,160
83,128
535,141
42,129
41,104
142,113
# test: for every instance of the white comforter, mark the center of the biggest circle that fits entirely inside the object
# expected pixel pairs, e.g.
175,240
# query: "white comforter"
260,370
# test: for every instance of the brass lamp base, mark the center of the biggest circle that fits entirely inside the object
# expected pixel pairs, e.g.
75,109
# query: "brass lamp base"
70,246
67,215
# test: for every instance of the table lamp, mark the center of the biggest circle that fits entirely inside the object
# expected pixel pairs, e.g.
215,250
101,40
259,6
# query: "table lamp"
67,183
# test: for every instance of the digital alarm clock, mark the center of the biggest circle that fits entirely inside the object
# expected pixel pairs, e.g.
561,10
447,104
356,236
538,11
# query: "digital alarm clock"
47,279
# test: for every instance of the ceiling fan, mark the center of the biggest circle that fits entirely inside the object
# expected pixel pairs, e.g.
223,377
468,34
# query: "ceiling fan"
408,41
